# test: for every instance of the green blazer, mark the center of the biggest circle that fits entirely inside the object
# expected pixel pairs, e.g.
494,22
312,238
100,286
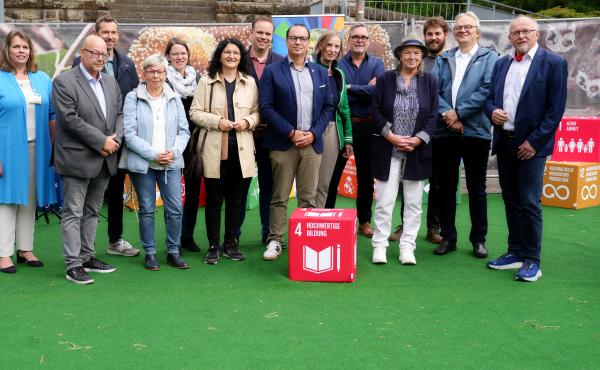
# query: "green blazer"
342,111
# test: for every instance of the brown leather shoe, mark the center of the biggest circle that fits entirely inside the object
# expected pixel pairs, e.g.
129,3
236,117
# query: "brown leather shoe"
396,234
434,236
366,230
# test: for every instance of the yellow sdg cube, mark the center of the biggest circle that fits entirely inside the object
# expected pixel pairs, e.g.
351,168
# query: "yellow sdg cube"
571,184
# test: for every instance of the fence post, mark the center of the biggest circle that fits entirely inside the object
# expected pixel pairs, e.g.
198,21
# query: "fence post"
360,10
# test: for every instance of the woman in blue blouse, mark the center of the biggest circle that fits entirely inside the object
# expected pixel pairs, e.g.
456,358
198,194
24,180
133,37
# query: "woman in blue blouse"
26,123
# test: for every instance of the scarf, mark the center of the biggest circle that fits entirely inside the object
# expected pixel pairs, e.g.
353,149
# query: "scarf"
184,86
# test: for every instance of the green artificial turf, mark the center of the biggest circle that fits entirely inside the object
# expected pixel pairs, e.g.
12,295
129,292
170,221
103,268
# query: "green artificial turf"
445,312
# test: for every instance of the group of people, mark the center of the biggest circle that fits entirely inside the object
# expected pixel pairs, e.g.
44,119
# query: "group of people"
292,119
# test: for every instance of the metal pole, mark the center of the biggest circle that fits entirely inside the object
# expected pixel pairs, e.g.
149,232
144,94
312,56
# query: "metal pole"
360,10
1,11
468,5
344,10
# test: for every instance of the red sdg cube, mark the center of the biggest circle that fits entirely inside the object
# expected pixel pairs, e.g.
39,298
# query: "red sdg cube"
322,245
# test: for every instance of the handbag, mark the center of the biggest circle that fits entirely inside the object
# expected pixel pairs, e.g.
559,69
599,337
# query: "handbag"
195,167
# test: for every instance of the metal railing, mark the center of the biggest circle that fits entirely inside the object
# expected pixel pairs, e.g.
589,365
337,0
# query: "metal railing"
385,10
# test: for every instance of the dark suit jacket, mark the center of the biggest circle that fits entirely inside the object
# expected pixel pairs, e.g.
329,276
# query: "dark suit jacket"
278,108
81,128
418,162
542,102
125,73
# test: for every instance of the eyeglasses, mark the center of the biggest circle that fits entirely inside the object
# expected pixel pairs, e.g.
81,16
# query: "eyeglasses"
467,28
521,32
96,55
359,38
155,72
298,38
232,52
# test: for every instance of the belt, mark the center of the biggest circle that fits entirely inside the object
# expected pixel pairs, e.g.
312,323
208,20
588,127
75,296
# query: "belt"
361,119
509,134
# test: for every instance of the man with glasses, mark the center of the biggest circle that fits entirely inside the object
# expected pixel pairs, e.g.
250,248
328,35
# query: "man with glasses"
260,56
89,133
361,70
296,105
526,103
120,67
463,132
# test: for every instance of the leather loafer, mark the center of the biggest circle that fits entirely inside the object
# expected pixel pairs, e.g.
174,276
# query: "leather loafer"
444,248
151,263
366,230
175,260
9,270
480,250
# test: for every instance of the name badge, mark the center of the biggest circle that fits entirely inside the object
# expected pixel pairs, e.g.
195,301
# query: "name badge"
34,98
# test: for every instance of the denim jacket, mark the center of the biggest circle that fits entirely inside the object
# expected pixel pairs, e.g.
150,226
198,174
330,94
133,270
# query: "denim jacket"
472,94
138,126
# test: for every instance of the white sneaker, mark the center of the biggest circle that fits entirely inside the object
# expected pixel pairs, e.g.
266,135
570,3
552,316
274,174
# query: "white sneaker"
122,248
379,255
273,251
407,257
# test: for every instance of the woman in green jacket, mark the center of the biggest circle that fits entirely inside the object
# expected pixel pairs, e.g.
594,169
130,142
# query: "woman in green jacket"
337,138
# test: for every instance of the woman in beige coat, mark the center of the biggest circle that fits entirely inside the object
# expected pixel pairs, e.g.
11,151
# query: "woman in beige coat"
225,105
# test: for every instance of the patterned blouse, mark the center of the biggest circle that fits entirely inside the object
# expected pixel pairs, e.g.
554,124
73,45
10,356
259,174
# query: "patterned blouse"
406,108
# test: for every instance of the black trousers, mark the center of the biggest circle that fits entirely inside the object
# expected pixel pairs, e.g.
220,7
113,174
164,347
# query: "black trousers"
114,201
229,189
190,206
447,153
338,170
361,141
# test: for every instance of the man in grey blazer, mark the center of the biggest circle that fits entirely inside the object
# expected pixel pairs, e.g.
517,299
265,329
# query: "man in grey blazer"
89,132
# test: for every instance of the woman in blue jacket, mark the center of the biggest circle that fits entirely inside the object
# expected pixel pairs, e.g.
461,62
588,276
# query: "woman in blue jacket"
26,123
156,134
404,115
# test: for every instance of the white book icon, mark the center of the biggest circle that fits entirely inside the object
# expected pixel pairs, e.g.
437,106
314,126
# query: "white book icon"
317,262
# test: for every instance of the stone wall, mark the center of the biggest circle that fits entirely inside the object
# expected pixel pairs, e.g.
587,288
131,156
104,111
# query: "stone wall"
56,10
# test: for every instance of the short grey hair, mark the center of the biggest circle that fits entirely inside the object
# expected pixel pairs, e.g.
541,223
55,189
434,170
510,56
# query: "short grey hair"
155,60
521,16
359,25
469,14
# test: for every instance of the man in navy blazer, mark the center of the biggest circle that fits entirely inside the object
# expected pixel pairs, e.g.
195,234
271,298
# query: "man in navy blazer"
296,105
526,104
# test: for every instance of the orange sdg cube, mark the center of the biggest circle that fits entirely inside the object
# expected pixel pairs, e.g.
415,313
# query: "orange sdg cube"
571,184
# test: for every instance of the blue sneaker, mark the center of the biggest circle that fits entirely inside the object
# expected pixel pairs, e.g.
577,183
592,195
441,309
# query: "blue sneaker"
529,272
506,261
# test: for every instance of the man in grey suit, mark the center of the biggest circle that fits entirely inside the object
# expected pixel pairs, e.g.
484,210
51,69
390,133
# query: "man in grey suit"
89,132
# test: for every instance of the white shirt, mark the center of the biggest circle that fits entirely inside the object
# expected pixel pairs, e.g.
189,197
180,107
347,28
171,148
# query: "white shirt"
462,61
515,78
159,129
96,87
30,97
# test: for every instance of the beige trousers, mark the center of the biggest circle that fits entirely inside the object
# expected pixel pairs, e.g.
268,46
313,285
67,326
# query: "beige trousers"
331,149
17,222
303,164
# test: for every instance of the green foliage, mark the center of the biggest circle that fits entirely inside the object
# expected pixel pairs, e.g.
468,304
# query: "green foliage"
560,12
47,61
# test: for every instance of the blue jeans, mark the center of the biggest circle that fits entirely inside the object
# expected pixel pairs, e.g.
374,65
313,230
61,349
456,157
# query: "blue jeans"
521,183
169,184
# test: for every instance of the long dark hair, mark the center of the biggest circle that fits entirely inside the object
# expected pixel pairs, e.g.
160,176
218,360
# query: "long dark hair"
215,63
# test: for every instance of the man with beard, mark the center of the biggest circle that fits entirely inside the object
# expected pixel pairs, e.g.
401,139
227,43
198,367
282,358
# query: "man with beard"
526,103
261,55
435,31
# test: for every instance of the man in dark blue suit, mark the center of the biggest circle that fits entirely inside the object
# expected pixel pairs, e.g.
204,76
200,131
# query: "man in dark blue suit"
526,104
296,105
